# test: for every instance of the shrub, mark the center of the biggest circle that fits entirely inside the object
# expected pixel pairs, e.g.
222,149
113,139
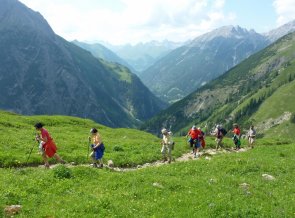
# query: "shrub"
62,172
118,148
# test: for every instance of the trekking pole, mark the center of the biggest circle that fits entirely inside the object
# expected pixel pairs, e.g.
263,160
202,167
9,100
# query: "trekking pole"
89,140
30,154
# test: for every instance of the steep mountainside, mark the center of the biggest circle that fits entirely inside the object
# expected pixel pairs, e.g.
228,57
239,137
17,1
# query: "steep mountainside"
41,73
258,91
205,58
100,51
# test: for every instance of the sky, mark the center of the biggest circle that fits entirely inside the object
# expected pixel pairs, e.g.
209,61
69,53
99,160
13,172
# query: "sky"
133,21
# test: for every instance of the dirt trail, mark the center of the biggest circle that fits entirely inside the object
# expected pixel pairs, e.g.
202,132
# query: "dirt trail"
206,154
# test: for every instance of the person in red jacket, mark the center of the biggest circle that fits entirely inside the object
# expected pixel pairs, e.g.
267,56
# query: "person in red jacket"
48,145
194,140
237,135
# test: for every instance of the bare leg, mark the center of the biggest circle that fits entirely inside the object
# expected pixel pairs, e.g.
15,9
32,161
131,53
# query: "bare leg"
45,159
58,158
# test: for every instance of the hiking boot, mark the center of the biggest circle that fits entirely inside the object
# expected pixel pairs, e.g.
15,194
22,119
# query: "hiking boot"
95,165
100,165
46,166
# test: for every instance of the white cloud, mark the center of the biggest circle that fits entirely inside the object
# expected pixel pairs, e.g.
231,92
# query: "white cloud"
285,10
131,20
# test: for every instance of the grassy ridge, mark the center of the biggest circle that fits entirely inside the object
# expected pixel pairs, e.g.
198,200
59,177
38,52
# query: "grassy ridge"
191,189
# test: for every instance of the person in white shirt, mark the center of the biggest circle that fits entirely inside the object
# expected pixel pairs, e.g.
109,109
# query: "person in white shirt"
167,145
251,136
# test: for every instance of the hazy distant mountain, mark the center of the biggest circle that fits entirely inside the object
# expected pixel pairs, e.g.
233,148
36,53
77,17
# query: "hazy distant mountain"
41,73
189,67
143,55
100,51
277,33
260,91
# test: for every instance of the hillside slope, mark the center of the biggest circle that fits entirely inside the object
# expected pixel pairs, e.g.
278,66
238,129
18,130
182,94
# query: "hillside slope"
189,67
258,91
41,73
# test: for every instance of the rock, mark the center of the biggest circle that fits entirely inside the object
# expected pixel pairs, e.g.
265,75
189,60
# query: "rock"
158,185
207,158
268,177
211,181
110,163
245,186
12,210
73,163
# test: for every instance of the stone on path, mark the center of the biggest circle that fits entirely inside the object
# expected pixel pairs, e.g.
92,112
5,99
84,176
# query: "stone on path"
110,163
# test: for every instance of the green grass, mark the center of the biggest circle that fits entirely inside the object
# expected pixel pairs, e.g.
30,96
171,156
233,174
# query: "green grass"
191,189
199,188
126,147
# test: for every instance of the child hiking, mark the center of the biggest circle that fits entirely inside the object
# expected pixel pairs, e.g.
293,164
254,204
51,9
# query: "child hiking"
97,148
47,146
237,135
167,145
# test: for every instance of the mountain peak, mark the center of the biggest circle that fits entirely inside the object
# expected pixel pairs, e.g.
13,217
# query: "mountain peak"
227,32
16,16
277,33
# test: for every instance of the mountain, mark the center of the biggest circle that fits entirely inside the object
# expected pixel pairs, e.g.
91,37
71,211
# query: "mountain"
100,51
143,55
191,66
41,73
260,91
279,32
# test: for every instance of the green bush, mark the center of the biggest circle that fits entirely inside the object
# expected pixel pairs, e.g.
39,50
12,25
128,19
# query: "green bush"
62,172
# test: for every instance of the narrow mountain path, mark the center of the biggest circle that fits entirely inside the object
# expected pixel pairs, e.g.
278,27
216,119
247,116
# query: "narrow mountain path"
206,154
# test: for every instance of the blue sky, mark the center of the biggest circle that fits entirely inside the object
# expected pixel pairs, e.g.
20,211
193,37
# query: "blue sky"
133,21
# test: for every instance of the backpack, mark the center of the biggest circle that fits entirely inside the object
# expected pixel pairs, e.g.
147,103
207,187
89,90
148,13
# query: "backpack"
223,131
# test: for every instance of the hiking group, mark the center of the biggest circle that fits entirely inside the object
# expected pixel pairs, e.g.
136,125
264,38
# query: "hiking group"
196,140
48,148
220,132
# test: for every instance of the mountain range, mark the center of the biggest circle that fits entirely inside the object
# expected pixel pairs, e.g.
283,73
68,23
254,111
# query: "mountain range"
143,55
206,57
259,91
41,73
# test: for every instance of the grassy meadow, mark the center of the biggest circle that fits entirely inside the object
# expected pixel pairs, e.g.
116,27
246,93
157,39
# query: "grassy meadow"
228,185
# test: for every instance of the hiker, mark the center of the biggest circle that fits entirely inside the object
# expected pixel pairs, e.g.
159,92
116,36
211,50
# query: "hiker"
47,146
167,145
194,140
251,136
202,138
237,136
219,133
97,148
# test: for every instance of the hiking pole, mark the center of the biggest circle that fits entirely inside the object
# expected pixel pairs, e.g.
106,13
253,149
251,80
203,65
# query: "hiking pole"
30,154
38,141
89,140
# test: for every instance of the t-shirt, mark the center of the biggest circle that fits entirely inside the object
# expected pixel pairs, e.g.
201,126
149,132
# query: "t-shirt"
45,134
252,133
167,139
194,133
237,131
